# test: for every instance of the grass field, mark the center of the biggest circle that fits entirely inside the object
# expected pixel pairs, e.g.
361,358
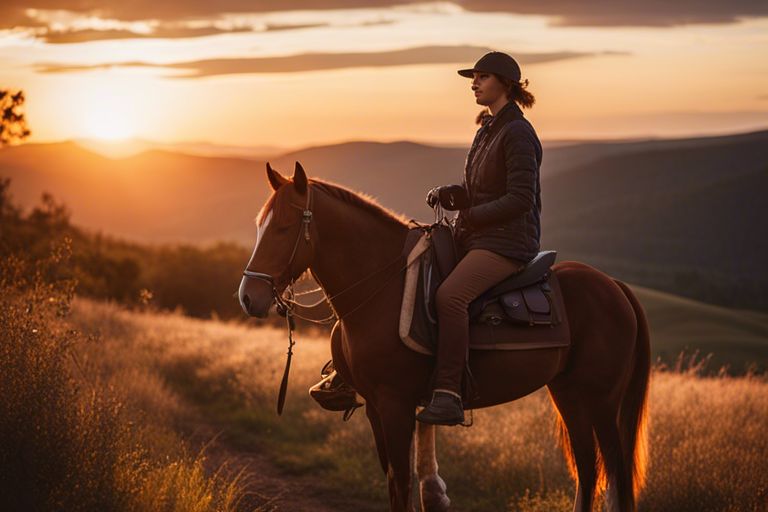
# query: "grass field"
81,429
707,435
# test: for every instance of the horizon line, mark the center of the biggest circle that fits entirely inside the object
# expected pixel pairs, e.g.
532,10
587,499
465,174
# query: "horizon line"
189,142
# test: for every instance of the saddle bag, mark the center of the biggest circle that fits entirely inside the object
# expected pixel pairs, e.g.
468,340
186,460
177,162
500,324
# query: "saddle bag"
532,305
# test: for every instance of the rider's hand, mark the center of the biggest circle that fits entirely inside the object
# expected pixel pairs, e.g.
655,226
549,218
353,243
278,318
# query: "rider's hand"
453,197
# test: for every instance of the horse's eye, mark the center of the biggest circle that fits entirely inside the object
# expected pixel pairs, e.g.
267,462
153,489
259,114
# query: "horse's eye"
282,229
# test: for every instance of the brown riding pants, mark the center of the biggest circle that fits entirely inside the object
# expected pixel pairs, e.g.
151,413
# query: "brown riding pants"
477,271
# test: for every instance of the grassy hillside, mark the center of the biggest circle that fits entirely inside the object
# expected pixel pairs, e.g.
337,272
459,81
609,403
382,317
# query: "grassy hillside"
707,444
685,220
736,338
82,430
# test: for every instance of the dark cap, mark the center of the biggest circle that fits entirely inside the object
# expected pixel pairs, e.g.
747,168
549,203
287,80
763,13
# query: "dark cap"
495,62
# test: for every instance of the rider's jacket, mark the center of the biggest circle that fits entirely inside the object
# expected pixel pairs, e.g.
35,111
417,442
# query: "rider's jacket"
501,178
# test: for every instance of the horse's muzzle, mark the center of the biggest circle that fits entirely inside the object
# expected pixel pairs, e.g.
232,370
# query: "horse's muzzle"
256,296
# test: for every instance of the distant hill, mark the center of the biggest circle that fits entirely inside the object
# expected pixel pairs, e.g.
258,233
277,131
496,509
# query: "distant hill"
153,196
736,338
681,215
693,212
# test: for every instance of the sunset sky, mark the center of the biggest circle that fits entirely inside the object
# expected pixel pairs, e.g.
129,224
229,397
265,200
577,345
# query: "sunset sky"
243,73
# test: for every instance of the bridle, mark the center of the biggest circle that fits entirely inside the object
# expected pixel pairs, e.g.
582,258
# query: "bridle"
285,304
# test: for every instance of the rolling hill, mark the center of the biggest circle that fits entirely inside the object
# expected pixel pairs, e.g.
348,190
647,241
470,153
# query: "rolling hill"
736,338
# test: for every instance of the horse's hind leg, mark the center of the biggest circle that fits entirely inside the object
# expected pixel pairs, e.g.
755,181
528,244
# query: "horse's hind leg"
619,495
431,486
579,447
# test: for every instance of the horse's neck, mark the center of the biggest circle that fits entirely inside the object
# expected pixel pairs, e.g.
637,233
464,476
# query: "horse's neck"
353,244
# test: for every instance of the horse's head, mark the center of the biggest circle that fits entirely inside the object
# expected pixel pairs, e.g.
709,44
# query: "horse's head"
284,242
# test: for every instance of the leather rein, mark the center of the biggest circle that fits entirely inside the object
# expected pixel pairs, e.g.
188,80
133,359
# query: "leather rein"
285,304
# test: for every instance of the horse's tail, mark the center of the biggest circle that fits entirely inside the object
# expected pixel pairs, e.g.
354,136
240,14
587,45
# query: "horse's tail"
633,414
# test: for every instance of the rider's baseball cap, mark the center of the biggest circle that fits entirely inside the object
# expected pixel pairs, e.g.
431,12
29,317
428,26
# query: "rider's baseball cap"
495,62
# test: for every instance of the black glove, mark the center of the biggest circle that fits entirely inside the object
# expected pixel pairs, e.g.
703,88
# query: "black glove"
453,197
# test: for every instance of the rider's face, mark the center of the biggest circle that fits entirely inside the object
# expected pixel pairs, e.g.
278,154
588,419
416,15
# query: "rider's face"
487,88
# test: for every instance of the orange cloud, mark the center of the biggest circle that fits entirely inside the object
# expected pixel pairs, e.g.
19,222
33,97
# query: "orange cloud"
321,61
567,12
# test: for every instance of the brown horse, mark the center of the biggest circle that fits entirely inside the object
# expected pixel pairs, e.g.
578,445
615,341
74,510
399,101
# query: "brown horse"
351,245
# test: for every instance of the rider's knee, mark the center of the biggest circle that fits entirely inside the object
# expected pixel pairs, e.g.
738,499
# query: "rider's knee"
448,299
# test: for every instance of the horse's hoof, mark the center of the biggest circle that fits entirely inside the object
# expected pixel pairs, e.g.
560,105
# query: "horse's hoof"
433,495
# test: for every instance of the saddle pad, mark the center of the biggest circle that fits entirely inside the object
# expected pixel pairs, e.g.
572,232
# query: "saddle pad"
414,322
418,333
509,336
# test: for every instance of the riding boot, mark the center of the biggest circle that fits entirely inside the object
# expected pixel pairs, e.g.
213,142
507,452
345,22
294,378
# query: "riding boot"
445,408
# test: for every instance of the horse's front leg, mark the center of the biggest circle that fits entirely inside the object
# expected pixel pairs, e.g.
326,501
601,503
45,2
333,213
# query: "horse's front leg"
398,421
378,435
432,487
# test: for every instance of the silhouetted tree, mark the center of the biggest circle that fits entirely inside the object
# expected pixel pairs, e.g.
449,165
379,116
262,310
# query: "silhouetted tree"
13,126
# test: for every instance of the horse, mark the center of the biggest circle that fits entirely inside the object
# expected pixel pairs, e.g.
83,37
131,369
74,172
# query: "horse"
352,247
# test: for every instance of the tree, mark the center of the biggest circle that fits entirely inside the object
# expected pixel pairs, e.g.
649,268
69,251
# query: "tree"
13,126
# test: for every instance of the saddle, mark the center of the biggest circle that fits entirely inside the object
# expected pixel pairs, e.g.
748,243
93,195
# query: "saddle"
523,311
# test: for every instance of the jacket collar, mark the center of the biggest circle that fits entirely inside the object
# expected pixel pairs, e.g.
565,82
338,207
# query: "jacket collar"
510,108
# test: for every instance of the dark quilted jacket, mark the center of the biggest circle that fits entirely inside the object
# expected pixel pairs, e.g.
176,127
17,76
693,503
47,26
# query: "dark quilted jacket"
501,179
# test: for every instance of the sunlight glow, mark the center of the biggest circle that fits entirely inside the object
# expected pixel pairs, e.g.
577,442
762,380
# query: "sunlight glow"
109,117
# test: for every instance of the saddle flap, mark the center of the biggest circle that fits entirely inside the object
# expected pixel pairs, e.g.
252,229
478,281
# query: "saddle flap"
536,300
444,249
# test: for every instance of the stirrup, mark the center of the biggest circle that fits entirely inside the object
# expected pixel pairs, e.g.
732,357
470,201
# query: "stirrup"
333,394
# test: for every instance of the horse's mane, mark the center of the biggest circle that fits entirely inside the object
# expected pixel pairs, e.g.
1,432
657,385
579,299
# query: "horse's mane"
359,199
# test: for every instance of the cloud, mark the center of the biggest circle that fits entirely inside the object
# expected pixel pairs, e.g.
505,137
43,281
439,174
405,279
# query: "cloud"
323,61
81,36
164,31
607,13
287,26
629,13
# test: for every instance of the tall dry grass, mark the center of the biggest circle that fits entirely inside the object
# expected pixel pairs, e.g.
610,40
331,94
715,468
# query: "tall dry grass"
708,444
73,434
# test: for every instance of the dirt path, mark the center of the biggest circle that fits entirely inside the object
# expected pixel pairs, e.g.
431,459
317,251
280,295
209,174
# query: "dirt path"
269,488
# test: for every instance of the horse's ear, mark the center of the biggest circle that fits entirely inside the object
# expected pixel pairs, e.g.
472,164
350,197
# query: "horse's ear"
276,180
300,179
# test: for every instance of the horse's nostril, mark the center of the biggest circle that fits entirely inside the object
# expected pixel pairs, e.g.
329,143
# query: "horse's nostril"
246,301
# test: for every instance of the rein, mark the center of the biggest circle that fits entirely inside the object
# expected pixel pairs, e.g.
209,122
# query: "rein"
285,303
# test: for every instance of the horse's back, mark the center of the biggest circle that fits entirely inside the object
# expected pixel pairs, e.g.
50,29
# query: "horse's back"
602,334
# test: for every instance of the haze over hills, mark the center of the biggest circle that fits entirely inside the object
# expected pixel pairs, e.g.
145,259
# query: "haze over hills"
682,215
130,147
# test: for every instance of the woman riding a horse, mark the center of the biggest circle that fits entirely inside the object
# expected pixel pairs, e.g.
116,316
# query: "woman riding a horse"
353,247
498,226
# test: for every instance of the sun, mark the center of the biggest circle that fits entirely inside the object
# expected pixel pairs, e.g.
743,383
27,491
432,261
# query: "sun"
109,116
